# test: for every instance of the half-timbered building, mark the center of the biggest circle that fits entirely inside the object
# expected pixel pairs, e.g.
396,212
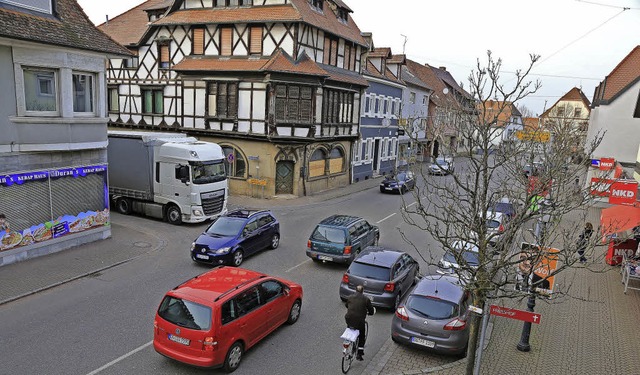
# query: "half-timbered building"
276,83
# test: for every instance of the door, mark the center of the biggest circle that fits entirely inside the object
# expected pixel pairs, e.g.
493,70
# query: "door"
251,237
275,303
251,315
376,156
171,186
284,177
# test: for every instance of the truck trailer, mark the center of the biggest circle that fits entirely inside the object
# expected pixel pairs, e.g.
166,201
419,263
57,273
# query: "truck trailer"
170,176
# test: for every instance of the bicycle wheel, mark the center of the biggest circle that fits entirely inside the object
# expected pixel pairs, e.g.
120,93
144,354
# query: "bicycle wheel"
347,358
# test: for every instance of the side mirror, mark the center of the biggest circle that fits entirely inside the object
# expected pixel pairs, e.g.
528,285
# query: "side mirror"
182,173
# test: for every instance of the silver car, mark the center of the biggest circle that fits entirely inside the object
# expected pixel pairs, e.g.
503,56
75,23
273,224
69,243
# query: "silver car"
434,316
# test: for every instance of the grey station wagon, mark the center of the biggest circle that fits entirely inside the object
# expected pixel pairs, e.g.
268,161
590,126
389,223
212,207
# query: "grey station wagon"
340,238
386,275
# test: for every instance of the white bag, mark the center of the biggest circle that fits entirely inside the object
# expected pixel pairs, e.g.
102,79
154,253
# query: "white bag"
350,334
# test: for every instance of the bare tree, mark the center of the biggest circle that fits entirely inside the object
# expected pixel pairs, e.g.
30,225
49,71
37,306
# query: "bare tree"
457,208
525,111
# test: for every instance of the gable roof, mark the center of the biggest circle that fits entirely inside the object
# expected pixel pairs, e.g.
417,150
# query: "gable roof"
410,79
425,74
499,112
328,21
274,13
70,27
574,95
282,62
129,27
531,123
621,78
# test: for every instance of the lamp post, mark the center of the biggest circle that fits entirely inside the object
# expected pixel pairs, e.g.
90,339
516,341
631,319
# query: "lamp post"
523,345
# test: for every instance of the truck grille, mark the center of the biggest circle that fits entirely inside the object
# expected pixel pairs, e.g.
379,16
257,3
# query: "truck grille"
212,202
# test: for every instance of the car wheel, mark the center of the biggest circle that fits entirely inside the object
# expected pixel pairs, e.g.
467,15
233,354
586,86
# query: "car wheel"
275,241
234,356
174,216
123,206
238,257
294,313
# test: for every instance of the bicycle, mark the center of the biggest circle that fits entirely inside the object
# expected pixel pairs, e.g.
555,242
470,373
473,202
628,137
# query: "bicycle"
350,346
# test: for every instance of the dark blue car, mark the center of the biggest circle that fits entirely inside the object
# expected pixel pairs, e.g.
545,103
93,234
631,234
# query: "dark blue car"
236,235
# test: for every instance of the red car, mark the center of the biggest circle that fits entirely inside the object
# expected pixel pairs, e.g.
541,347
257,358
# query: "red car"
212,319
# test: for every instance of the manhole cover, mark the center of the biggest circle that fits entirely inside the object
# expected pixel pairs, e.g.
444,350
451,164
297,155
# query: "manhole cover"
142,244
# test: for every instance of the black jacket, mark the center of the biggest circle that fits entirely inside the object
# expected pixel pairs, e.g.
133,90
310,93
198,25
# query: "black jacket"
358,306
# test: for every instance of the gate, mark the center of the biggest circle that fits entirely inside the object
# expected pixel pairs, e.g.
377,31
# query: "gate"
284,177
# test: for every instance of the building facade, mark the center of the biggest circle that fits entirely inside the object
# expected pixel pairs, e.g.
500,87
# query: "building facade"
414,144
569,117
277,83
53,128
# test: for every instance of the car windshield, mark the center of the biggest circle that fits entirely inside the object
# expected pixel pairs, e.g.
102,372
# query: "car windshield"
401,177
493,224
507,208
432,308
185,313
441,161
207,172
471,257
328,234
369,271
225,226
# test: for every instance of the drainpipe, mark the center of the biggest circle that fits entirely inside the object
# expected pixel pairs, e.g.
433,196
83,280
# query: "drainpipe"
304,169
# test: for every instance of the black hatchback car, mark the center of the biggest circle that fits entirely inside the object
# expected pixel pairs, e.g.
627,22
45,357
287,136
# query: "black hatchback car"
385,274
236,235
339,238
400,183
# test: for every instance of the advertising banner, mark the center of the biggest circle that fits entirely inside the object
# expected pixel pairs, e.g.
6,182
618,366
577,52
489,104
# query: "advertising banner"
600,187
607,164
623,192
547,262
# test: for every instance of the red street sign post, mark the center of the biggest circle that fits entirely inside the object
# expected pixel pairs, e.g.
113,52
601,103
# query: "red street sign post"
525,316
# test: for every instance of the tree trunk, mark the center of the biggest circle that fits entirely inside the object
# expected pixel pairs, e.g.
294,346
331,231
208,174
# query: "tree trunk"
474,334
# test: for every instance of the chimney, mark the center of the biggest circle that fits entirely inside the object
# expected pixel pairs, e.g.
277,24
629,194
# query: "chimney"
443,68
107,16
368,37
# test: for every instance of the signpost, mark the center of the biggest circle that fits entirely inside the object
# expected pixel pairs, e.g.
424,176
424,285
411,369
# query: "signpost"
506,312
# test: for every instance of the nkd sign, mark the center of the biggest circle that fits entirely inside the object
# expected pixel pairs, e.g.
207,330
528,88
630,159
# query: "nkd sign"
618,191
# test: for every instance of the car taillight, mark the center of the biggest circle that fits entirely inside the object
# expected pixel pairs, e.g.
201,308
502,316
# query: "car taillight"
401,313
209,344
347,250
455,325
389,287
309,244
501,228
345,278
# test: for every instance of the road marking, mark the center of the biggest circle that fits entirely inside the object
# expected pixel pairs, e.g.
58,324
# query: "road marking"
378,222
134,351
412,204
294,267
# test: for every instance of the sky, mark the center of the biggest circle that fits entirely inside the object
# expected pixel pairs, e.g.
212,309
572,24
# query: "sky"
579,42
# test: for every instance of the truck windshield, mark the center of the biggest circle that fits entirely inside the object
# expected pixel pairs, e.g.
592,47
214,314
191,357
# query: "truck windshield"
207,172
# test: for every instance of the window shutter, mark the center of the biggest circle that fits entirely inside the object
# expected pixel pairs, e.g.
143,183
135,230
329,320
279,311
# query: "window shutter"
232,100
255,46
334,53
164,56
198,41
226,40
327,50
346,63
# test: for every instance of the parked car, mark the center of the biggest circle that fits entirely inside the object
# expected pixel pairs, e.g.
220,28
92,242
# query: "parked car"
505,207
496,223
449,262
340,238
385,274
212,319
400,183
235,236
434,316
442,166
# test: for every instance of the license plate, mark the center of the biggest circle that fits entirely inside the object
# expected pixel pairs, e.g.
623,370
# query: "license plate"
202,256
323,257
179,340
389,188
423,342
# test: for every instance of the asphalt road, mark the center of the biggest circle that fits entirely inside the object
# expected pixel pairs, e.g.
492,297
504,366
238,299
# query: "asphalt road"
103,324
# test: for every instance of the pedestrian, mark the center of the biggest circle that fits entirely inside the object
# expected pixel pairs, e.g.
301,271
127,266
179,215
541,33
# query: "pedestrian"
583,240
4,224
636,236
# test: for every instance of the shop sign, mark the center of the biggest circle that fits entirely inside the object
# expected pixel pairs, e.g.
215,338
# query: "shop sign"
600,187
623,192
257,181
607,164
506,312
20,178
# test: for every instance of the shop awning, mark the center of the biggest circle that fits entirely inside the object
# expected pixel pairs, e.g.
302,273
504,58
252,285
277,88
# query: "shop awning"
618,219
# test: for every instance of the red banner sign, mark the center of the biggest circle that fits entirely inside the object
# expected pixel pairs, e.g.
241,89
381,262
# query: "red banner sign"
607,164
623,192
506,312
600,186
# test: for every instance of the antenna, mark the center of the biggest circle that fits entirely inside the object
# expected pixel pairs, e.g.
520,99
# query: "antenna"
405,43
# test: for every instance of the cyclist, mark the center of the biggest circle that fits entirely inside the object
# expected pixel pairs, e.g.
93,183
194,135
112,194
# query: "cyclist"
358,306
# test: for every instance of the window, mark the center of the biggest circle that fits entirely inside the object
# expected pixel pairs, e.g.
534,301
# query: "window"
82,93
229,312
412,97
113,99
234,162
152,101
394,146
560,111
248,301
356,151
317,163
316,4
198,41
185,313
255,45
425,99
577,112
40,91
330,50
271,290
338,107
222,100
294,104
366,105
336,161
130,63
226,41
386,107
165,59
393,108
369,149
384,148
343,15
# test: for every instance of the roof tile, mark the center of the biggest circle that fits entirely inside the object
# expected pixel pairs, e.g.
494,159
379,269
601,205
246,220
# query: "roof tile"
129,27
274,13
625,73
218,64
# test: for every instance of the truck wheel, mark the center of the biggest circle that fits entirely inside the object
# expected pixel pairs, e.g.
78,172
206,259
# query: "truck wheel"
174,216
123,206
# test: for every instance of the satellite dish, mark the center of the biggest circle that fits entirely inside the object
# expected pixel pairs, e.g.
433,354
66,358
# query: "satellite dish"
445,90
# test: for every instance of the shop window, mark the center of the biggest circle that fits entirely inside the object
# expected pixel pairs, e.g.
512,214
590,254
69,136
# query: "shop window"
40,92
336,161
317,163
222,100
152,101
234,162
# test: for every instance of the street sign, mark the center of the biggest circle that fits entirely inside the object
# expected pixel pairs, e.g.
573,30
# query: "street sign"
475,309
506,312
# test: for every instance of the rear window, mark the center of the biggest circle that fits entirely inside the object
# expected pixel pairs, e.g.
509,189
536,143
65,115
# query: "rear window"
471,257
328,234
369,271
432,308
185,314
504,207
493,224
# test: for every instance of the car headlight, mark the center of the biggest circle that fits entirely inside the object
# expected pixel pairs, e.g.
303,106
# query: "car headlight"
223,250
193,246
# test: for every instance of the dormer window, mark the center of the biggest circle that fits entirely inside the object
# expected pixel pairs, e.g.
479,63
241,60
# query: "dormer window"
316,4
343,15
231,3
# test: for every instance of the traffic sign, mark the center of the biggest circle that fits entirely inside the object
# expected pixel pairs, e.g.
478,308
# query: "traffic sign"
506,312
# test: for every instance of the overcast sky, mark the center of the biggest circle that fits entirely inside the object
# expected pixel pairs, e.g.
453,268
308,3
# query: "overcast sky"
580,42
